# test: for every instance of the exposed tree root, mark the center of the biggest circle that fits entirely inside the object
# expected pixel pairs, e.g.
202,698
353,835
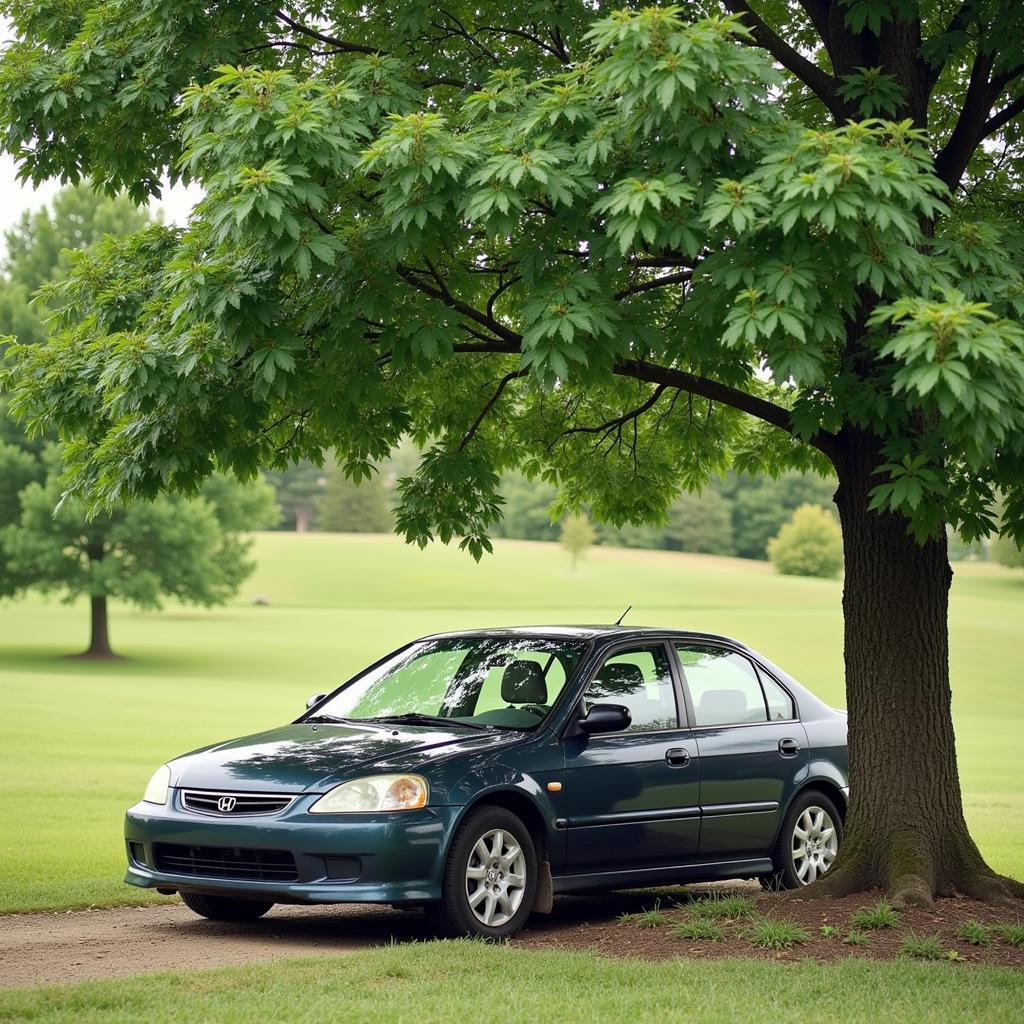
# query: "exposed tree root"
920,889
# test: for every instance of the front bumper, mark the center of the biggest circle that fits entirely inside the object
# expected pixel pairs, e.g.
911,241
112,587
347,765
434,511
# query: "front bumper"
382,858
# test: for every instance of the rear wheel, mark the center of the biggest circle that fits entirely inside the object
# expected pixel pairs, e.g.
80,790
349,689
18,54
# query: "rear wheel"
809,841
490,878
224,908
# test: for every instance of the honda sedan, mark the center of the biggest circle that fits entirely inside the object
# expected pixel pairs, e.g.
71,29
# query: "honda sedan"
479,774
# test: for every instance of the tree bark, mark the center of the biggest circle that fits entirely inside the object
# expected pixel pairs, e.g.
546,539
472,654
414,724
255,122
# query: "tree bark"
99,633
906,823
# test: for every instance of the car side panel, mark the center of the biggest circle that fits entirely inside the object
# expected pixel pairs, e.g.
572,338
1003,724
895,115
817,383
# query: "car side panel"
746,783
827,740
627,806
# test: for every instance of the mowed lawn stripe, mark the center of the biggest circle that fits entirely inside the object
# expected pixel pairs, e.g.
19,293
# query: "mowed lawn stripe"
463,981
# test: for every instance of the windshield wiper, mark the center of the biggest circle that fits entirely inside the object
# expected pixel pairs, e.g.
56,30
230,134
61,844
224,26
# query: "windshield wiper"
415,716
330,718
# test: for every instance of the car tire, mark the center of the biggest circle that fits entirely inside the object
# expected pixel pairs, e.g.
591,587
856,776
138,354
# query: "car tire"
809,839
489,884
224,908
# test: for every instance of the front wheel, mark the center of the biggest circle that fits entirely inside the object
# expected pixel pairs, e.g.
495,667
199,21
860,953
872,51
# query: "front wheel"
490,877
224,908
811,834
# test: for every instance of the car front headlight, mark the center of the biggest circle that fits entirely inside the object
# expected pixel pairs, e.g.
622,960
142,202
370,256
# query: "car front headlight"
374,793
156,791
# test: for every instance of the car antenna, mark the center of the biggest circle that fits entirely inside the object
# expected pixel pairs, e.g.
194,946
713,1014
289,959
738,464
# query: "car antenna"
618,621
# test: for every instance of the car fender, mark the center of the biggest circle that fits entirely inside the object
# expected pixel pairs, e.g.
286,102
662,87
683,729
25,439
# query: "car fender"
496,780
817,771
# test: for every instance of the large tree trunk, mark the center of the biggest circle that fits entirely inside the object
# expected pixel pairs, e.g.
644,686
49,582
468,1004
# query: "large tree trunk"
906,828
99,634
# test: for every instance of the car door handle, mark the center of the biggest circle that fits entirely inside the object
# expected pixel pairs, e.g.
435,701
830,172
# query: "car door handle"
677,757
789,747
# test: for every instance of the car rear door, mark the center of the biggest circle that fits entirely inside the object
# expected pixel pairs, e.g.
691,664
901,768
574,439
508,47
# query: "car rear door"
753,749
632,797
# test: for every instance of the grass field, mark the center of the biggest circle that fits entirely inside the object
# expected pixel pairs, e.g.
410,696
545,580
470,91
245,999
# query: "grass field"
78,740
461,981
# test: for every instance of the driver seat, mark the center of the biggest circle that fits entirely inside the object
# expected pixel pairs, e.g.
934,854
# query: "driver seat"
522,682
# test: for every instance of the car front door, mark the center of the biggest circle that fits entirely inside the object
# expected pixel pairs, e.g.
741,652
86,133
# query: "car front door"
753,749
632,797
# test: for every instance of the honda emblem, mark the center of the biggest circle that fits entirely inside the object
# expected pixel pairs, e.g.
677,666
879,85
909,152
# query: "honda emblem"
226,804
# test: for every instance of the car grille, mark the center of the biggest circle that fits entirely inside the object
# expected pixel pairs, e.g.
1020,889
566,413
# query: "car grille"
228,805
225,862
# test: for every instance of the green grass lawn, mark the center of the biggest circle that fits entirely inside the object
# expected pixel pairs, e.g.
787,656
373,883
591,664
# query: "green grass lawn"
462,981
78,740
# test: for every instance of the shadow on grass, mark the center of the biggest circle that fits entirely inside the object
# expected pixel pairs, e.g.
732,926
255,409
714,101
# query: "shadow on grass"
59,660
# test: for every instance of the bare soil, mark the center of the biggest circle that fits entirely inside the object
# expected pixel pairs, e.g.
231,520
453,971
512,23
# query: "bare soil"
622,935
74,946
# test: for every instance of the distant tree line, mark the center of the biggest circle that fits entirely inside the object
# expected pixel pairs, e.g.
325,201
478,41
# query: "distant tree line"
737,515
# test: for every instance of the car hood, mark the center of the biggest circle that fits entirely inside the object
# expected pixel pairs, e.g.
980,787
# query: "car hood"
311,758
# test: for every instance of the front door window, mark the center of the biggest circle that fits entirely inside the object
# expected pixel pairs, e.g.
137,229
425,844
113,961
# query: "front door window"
639,680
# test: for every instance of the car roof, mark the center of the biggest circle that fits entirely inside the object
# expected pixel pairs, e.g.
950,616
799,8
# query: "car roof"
581,632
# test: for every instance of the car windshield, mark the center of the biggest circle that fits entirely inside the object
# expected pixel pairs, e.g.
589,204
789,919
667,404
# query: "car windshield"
496,682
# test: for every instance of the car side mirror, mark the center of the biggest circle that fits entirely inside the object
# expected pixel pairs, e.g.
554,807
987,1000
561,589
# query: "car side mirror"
315,699
605,718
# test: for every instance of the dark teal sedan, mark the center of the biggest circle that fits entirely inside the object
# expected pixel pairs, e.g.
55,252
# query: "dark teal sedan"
479,774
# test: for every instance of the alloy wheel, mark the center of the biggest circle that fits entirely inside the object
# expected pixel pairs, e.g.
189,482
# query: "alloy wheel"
815,844
495,878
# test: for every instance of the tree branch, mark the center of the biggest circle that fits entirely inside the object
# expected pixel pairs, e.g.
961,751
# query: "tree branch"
442,294
509,342
959,21
954,156
1007,114
760,408
656,282
272,43
822,84
528,36
461,30
619,421
339,44
491,402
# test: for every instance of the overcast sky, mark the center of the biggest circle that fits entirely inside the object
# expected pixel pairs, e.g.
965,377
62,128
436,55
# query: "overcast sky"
16,197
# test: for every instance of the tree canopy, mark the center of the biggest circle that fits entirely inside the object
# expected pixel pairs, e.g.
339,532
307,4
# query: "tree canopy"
620,249
633,219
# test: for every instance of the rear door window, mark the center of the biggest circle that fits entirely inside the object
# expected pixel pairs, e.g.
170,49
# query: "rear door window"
723,686
780,704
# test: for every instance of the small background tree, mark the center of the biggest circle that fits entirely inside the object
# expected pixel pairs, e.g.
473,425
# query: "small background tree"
577,536
190,550
762,504
701,523
1004,551
173,547
298,491
348,507
810,544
